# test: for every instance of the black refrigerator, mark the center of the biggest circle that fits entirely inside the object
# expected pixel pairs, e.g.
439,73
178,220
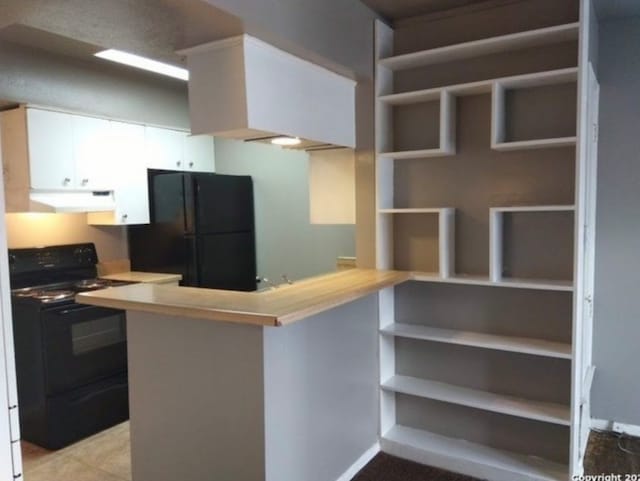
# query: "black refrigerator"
202,226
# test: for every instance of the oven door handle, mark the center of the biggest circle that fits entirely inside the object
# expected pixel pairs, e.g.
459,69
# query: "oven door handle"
74,309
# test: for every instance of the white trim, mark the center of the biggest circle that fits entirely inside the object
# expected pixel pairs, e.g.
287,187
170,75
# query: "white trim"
360,463
615,426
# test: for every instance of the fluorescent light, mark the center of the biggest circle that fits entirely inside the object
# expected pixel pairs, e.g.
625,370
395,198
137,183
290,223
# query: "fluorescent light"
284,140
144,63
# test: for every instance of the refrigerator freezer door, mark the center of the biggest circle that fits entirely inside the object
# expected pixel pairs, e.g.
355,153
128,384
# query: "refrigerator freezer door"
227,261
168,201
223,203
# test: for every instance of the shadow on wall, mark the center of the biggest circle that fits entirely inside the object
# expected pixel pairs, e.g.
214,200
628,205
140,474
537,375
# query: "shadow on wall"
287,243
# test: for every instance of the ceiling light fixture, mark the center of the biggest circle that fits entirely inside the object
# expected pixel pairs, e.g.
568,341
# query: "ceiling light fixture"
144,63
286,140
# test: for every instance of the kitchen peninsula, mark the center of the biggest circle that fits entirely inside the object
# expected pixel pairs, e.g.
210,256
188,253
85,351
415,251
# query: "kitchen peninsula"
277,385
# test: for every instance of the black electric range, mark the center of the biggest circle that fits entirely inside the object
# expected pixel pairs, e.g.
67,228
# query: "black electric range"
71,359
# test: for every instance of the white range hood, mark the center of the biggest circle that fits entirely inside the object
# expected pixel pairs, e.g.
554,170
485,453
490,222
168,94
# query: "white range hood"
245,88
55,201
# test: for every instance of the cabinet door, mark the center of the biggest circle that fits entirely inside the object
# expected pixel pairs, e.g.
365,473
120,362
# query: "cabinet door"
164,148
131,189
93,154
199,153
51,162
132,203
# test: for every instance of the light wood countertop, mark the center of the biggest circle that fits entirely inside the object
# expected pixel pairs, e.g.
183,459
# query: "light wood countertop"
274,307
145,277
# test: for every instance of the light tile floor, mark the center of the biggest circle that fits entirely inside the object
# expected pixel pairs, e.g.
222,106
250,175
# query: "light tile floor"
105,456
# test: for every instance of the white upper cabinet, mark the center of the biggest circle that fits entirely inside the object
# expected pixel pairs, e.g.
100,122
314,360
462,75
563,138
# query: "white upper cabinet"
50,150
93,154
168,149
243,88
164,148
199,153
129,165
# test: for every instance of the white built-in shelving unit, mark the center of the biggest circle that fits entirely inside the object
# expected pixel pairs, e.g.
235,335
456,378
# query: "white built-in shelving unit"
504,43
414,408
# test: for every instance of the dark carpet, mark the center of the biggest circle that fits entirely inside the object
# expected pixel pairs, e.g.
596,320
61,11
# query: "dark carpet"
607,453
610,453
389,468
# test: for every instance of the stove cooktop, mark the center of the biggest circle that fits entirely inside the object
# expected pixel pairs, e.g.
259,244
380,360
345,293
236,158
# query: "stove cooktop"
63,292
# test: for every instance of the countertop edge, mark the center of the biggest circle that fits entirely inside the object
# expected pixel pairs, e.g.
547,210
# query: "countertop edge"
221,315
271,308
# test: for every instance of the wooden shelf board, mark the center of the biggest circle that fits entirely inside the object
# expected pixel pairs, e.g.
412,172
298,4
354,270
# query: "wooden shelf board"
537,79
467,457
428,210
522,345
504,43
535,208
474,398
535,144
416,154
537,284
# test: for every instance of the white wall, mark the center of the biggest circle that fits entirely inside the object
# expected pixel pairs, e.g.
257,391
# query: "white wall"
287,243
616,391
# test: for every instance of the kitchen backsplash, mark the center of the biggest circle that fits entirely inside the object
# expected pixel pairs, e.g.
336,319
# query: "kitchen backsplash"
31,229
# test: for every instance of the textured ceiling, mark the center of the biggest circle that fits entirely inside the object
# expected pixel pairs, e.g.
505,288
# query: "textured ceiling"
617,8
399,9
154,28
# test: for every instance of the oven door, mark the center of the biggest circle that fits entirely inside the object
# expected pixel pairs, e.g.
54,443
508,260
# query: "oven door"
82,344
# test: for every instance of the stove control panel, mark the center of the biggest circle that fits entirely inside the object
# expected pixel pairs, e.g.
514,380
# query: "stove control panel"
54,258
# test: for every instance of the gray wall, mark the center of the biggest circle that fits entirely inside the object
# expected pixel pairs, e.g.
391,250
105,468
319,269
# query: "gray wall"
39,77
286,242
616,391
321,393
196,399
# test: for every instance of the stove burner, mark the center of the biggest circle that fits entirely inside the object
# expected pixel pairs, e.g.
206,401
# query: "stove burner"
53,296
92,284
26,292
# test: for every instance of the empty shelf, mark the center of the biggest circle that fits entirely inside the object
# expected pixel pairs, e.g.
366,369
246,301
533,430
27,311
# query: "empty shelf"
523,345
535,144
469,458
416,154
504,43
427,210
473,398
537,284
535,208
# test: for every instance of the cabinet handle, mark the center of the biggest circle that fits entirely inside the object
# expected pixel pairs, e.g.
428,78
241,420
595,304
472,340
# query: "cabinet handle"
190,164
125,216
85,181
178,163
66,180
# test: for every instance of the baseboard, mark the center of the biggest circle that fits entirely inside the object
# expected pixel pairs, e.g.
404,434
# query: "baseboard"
605,425
360,463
